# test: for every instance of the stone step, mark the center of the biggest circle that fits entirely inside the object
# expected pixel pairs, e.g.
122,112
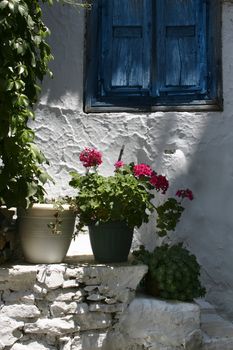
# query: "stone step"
217,331
155,324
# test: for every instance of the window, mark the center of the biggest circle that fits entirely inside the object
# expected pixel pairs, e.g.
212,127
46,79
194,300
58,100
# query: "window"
148,55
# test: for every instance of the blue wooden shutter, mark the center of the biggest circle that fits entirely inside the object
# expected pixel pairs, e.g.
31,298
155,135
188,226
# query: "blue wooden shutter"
125,48
181,48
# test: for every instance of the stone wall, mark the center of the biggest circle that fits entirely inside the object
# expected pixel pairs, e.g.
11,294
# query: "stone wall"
90,307
65,306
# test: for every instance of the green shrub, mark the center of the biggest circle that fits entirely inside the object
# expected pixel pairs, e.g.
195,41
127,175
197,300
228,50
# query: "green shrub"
173,272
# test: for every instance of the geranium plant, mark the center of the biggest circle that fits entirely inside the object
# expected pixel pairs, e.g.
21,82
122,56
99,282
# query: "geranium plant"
125,196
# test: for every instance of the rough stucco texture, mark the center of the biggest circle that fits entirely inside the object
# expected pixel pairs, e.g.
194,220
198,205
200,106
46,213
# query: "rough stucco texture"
201,143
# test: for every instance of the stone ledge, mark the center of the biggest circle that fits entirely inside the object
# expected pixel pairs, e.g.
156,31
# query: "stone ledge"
63,306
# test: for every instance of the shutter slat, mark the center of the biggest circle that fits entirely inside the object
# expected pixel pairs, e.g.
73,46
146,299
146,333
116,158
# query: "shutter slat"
127,12
125,62
181,46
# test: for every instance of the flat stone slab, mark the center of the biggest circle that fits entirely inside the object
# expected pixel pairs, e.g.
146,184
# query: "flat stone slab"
151,323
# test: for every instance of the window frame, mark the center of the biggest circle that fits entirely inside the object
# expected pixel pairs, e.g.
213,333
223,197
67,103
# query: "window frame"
92,104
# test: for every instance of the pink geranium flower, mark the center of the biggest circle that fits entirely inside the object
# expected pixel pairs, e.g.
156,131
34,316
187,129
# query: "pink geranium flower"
90,157
185,194
141,170
119,164
160,182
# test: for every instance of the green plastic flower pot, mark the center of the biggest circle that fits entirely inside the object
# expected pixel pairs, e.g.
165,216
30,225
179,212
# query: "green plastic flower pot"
111,241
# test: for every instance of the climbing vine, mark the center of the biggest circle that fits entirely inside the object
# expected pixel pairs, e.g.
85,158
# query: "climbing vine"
24,58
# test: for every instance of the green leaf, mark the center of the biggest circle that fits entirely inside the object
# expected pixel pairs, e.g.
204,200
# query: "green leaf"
23,9
10,85
37,40
22,100
27,136
3,4
22,69
44,177
30,22
31,188
37,88
37,154
19,84
11,6
33,60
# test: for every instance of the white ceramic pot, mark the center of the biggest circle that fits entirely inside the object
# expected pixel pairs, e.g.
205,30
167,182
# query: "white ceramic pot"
39,243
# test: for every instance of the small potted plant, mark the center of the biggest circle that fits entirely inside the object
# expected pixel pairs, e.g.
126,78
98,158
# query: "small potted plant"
112,206
46,230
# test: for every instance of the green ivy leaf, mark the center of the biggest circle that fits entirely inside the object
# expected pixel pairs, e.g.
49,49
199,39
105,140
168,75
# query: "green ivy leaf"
30,22
31,188
3,4
22,100
23,9
37,40
44,177
10,85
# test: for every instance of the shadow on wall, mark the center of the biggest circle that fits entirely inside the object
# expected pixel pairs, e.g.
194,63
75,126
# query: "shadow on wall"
201,158
208,222
66,25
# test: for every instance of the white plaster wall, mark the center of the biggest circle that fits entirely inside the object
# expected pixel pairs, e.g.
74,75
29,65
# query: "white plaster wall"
202,145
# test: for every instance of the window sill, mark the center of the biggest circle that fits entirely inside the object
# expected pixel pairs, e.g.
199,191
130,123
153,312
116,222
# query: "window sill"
198,106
